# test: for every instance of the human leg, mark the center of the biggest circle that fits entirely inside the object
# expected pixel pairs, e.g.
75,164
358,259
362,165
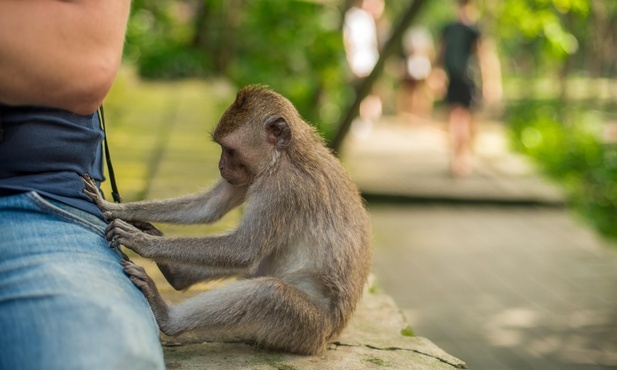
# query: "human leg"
65,302
461,135
460,98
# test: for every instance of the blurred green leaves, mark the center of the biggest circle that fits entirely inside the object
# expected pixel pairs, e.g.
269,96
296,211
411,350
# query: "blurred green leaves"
295,47
547,22
157,40
567,144
564,134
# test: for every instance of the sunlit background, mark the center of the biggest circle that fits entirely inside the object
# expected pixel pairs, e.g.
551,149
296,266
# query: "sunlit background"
550,110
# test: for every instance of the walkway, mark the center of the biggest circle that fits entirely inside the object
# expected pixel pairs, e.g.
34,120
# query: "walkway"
491,268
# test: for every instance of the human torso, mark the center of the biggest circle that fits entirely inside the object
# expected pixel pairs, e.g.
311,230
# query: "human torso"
459,44
46,150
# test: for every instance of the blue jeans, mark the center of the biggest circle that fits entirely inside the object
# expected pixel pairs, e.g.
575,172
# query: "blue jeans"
65,302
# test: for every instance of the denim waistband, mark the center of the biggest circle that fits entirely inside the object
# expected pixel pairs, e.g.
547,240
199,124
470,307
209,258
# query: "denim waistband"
32,201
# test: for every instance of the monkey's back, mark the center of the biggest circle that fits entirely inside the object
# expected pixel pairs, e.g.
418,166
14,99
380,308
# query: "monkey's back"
328,211
313,212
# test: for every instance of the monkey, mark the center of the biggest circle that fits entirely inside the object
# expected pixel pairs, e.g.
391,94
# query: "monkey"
301,250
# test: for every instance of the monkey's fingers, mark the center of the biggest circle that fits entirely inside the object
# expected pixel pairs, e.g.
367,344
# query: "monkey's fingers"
93,196
118,227
147,228
117,231
91,190
110,232
130,266
131,269
89,183
139,283
114,242
138,276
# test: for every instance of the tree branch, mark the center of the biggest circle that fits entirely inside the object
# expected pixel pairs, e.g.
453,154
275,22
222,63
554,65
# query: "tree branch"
365,85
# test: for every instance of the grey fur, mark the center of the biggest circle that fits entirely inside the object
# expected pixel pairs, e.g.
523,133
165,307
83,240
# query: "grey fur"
302,246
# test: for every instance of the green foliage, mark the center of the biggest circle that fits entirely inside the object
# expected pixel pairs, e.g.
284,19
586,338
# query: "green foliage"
172,61
566,143
542,31
157,39
295,47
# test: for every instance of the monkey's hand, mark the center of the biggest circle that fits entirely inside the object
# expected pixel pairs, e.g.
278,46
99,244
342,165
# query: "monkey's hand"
121,232
93,192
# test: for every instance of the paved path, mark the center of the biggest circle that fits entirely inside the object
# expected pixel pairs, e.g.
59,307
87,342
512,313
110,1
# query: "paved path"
518,287
412,162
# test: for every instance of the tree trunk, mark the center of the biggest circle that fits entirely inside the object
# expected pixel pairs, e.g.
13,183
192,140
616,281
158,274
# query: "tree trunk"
216,24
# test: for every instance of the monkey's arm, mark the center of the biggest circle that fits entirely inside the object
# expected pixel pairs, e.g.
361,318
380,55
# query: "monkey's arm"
235,253
189,209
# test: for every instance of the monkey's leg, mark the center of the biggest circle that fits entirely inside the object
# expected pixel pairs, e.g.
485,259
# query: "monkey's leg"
140,278
181,276
266,310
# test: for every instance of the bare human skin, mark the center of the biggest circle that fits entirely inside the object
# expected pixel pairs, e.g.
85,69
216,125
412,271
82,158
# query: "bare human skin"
302,246
60,53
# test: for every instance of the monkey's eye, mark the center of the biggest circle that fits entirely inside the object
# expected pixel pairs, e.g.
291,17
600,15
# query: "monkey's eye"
228,151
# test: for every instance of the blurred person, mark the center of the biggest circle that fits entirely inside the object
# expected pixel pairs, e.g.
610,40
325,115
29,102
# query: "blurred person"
459,42
361,39
65,302
360,36
416,93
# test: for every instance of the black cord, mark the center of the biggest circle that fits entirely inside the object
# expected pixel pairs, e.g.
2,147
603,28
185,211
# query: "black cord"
110,168
1,129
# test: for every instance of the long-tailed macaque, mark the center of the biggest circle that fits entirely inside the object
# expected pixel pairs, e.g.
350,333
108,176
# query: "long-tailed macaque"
302,246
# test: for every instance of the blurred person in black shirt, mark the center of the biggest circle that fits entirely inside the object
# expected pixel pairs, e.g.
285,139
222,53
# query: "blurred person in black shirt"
460,41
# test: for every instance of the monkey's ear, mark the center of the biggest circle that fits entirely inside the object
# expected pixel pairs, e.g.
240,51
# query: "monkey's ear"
278,132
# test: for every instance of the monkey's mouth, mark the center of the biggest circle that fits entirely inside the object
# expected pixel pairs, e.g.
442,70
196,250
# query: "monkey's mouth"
234,181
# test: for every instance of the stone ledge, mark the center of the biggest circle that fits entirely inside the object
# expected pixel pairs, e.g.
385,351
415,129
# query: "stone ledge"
378,336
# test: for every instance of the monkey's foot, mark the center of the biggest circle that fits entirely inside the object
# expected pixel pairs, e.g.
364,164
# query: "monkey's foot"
140,278
144,282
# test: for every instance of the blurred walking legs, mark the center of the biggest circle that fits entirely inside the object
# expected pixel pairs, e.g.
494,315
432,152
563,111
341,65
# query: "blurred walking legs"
462,129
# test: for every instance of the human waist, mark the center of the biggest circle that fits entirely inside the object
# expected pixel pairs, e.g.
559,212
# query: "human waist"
46,150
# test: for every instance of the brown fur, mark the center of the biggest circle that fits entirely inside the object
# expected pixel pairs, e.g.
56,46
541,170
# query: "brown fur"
303,244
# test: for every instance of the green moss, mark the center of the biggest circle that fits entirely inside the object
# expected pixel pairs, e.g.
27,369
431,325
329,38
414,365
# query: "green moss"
376,361
408,331
285,367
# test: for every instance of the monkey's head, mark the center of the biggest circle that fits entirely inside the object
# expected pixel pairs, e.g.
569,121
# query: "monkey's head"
253,132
